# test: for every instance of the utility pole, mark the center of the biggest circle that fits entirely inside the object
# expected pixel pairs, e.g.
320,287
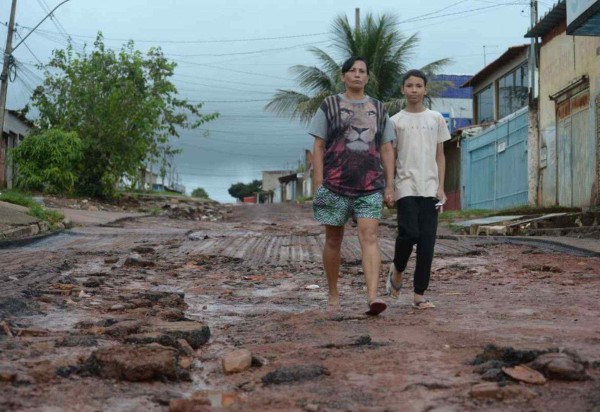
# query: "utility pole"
6,65
532,53
357,18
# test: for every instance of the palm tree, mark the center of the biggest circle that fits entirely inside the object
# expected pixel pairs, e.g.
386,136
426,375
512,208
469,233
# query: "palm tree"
377,40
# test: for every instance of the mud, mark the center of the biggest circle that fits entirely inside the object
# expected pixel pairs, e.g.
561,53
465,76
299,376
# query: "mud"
85,316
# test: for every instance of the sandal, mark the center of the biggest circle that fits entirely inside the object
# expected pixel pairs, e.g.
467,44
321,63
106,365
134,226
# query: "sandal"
423,304
389,284
376,306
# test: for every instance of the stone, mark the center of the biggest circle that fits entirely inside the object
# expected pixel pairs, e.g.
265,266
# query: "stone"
172,315
525,374
294,374
117,307
185,347
135,363
93,282
7,374
195,334
237,361
190,405
560,366
122,329
111,260
493,390
486,391
143,249
135,260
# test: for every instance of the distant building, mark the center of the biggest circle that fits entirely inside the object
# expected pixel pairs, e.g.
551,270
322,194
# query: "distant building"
453,102
16,128
271,187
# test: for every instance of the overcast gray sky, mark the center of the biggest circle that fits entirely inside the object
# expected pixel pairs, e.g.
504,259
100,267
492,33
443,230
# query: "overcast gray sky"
234,54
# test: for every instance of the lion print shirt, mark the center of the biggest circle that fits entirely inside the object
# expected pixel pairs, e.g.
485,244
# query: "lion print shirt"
353,131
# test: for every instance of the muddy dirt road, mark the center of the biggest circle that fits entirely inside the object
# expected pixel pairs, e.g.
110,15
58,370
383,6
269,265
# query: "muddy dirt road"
140,315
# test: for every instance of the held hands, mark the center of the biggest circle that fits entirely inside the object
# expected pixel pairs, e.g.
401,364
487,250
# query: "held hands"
388,196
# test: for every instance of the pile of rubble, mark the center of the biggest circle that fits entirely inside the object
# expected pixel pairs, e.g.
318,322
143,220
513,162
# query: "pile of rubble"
176,207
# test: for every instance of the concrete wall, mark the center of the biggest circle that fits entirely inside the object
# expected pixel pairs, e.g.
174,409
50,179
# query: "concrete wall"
563,59
270,179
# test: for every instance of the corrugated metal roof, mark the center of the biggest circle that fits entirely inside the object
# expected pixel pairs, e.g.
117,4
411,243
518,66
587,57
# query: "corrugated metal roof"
555,16
508,55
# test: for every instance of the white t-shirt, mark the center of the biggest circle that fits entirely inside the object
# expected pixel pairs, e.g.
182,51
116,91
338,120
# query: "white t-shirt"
417,137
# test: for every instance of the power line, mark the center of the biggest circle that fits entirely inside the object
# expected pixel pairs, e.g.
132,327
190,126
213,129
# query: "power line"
248,52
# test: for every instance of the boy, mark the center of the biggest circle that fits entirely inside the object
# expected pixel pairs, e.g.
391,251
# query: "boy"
353,165
419,186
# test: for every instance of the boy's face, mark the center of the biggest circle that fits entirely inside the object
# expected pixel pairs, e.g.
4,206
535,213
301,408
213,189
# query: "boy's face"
414,90
356,78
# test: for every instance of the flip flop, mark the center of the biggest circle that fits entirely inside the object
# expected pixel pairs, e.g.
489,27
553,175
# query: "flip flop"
424,304
376,306
389,284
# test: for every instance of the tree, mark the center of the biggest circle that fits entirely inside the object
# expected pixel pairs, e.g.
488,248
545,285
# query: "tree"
48,161
242,190
200,192
384,47
121,104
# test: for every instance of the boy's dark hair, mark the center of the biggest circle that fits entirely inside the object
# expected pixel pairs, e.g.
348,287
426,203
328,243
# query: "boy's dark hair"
414,73
350,62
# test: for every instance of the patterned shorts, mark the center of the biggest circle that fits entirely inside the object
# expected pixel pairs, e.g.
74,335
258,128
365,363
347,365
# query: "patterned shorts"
332,209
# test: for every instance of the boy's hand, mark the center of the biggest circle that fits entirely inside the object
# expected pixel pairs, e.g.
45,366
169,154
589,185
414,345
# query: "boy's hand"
441,196
388,196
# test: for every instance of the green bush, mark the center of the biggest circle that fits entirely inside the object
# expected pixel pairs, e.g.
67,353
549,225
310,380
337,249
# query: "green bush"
48,161
200,193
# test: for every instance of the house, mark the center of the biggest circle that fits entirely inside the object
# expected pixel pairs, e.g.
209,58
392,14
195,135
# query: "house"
566,144
494,162
271,187
16,127
454,102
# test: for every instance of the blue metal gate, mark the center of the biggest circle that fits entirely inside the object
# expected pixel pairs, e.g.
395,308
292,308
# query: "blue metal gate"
494,166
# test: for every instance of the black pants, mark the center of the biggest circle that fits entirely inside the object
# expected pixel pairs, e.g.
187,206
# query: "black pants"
417,224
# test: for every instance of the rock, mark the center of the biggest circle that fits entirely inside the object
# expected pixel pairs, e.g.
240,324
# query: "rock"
135,260
172,315
185,347
195,334
312,407
259,362
294,374
143,249
237,361
73,340
93,282
7,374
525,374
123,329
185,362
493,390
134,363
190,405
493,374
117,307
111,260
560,366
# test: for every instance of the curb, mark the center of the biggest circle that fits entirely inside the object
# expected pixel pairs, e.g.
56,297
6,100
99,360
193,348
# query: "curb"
7,244
552,244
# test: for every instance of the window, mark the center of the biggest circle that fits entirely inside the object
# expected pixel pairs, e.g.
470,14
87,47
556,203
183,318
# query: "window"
485,105
513,89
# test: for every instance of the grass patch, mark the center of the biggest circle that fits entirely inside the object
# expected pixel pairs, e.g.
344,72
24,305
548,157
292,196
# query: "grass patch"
155,211
17,198
51,216
465,214
36,210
